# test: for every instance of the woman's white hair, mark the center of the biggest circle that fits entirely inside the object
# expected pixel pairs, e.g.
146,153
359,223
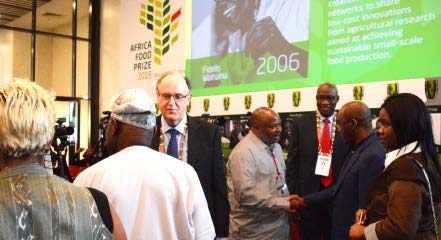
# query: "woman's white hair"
27,119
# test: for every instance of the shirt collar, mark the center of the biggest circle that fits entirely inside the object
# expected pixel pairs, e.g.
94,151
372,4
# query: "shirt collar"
260,144
24,169
393,155
354,147
180,127
330,118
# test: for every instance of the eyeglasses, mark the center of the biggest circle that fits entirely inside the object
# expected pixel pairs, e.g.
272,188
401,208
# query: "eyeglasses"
322,98
178,97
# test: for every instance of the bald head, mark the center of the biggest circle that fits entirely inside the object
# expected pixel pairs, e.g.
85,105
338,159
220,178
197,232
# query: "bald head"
265,124
260,115
354,122
327,85
358,111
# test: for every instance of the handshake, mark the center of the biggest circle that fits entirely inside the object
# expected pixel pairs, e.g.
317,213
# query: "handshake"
296,204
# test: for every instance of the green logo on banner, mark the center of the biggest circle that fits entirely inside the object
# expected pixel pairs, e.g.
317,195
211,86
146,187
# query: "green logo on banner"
247,102
296,97
270,99
226,103
392,89
189,106
431,87
206,104
156,16
358,93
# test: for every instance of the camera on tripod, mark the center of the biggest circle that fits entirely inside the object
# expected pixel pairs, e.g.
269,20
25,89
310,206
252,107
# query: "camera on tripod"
58,154
61,136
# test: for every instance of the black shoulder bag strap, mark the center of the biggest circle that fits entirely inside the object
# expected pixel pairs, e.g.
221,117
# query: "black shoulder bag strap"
430,193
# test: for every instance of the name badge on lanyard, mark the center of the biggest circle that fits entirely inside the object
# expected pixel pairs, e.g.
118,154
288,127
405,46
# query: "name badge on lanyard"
323,165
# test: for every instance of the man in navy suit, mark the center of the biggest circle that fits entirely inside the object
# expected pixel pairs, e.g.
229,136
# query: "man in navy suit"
197,142
361,167
303,151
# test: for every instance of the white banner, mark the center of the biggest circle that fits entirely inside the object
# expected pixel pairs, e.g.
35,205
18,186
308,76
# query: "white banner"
152,41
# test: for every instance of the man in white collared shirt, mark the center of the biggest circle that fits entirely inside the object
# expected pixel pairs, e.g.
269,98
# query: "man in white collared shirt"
155,195
258,195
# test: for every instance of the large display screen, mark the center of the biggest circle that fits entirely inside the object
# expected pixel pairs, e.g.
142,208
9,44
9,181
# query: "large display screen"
265,45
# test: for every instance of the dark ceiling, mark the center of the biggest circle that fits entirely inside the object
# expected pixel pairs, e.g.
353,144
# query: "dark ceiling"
13,9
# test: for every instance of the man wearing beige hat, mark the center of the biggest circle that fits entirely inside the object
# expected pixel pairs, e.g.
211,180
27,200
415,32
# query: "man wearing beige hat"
155,195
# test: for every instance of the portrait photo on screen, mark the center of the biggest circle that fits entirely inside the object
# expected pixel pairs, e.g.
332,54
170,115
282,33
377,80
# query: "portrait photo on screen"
248,41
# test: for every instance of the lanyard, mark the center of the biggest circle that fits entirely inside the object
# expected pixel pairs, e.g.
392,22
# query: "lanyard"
333,127
275,164
181,142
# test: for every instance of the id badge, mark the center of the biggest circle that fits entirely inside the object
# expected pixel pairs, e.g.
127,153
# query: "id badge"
283,189
323,165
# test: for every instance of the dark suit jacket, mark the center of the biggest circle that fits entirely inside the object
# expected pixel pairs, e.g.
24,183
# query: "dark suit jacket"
300,173
303,153
349,193
205,155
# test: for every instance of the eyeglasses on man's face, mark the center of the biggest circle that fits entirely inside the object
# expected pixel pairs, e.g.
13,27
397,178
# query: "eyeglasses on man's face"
177,97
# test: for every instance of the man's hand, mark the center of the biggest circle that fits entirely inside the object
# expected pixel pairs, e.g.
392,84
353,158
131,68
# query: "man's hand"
356,232
296,203
360,216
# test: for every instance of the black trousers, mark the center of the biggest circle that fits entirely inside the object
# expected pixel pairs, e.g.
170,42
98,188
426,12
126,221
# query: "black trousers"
316,224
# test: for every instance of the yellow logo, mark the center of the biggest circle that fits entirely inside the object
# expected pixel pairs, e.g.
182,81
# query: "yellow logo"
392,89
206,104
358,93
247,102
296,97
156,16
226,103
270,99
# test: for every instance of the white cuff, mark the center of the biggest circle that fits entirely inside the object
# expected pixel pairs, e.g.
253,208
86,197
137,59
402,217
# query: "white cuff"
369,232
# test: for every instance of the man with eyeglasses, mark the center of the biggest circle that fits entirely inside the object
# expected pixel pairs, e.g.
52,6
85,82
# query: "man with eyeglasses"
361,167
194,141
315,157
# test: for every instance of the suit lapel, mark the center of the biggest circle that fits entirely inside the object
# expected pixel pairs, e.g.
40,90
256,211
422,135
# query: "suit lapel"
351,160
313,130
155,138
193,140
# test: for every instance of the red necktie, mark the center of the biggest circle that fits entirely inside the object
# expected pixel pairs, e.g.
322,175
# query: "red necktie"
325,143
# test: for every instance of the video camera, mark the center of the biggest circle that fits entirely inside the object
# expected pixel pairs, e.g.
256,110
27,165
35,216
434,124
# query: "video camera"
59,143
62,133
